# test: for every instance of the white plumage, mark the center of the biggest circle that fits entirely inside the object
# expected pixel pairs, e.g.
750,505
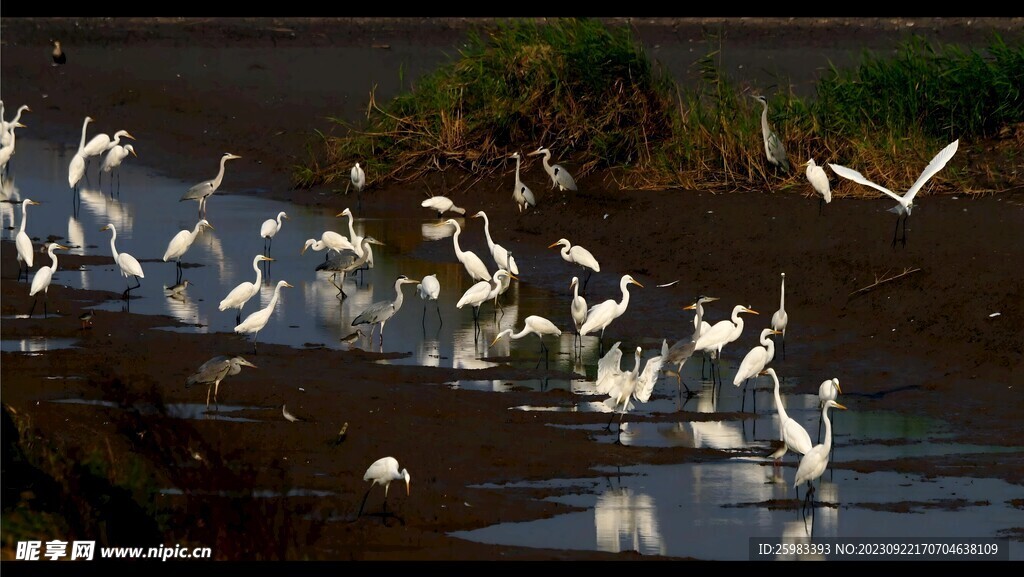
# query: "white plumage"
502,257
257,320
521,193
441,205
792,434
245,290
474,266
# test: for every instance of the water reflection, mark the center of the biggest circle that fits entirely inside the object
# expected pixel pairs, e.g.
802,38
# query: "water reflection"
626,520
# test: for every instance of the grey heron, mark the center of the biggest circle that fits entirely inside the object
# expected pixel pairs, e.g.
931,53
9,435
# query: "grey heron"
773,148
41,281
381,311
521,193
126,262
347,262
205,189
560,177
181,242
683,349
245,290
213,371
257,320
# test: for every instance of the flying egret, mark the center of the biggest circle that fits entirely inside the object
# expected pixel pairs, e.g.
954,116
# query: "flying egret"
358,247
126,262
441,205
380,311
205,189
213,371
534,324
481,292
815,461
578,309
780,318
257,320
101,143
827,391
115,156
382,472
521,193
721,334
601,315
244,291
357,178
474,266
429,289
347,262
329,240
41,281
906,202
773,148
76,168
793,435
502,257
754,362
578,255
59,57
683,349
181,242
621,386
819,181
560,177
22,242
269,228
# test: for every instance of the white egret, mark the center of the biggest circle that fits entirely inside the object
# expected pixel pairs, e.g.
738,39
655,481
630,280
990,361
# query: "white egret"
329,240
347,262
827,391
819,181
102,142
441,205
793,435
683,349
533,324
502,257
906,202
577,309
429,289
269,228
357,178
380,312
560,177
9,124
624,387
244,291
521,193
754,362
215,370
578,255
205,189
474,266
481,292
780,318
721,334
59,57
22,242
815,461
126,262
181,242
773,148
358,247
7,150
257,320
115,156
76,168
601,315
41,281
382,472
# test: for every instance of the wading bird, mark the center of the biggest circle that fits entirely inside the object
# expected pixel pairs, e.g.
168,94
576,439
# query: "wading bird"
502,257
178,290
205,189
481,292
213,371
754,362
793,435
41,281
257,320
780,318
76,168
578,255
601,315
578,310
521,193
363,251
622,386
347,262
721,334
819,180
773,148
241,294
827,391
474,266
357,178
181,242
683,349
59,57
22,242
6,125
7,150
126,262
380,312
382,472
86,319
329,240
115,156
101,143
815,461
441,205
533,324
906,202
560,177
429,289
269,228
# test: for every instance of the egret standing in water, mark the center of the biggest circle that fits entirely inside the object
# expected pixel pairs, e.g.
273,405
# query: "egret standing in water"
754,362
819,181
380,312
577,309
269,228
773,148
521,193
601,315
780,318
534,324
257,320
827,391
721,334
382,472
578,255
429,289
357,178
244,291
41,282
621,386
560,177
814,463
23,243
363,251
481,292
115,156
906,202
205,189
683,349
793,435
126,262
181,242
502,257
474,266
76,168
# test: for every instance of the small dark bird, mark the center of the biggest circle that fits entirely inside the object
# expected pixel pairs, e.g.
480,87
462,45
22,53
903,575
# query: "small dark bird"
86,319
58,55
352,338
341,435
178,288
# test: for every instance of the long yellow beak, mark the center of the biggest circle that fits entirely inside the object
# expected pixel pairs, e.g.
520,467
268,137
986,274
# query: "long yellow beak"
637,283
690,307
838,406
553,245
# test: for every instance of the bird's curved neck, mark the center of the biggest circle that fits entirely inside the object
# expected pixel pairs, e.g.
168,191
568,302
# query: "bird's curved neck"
279,215
455,239
828,429
81,144
220,173
195,232
399,297
546,163
782,296
517,169
487,231
576,291
624,286
273,299
565,253
24,211
351,228
53,258
778,400
769,345
113,247
764,117
259,272
697,320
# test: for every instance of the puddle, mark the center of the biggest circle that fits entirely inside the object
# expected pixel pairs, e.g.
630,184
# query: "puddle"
35,345
256,493
178,410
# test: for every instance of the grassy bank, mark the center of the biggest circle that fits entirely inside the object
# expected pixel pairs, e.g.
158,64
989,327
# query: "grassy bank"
589,93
